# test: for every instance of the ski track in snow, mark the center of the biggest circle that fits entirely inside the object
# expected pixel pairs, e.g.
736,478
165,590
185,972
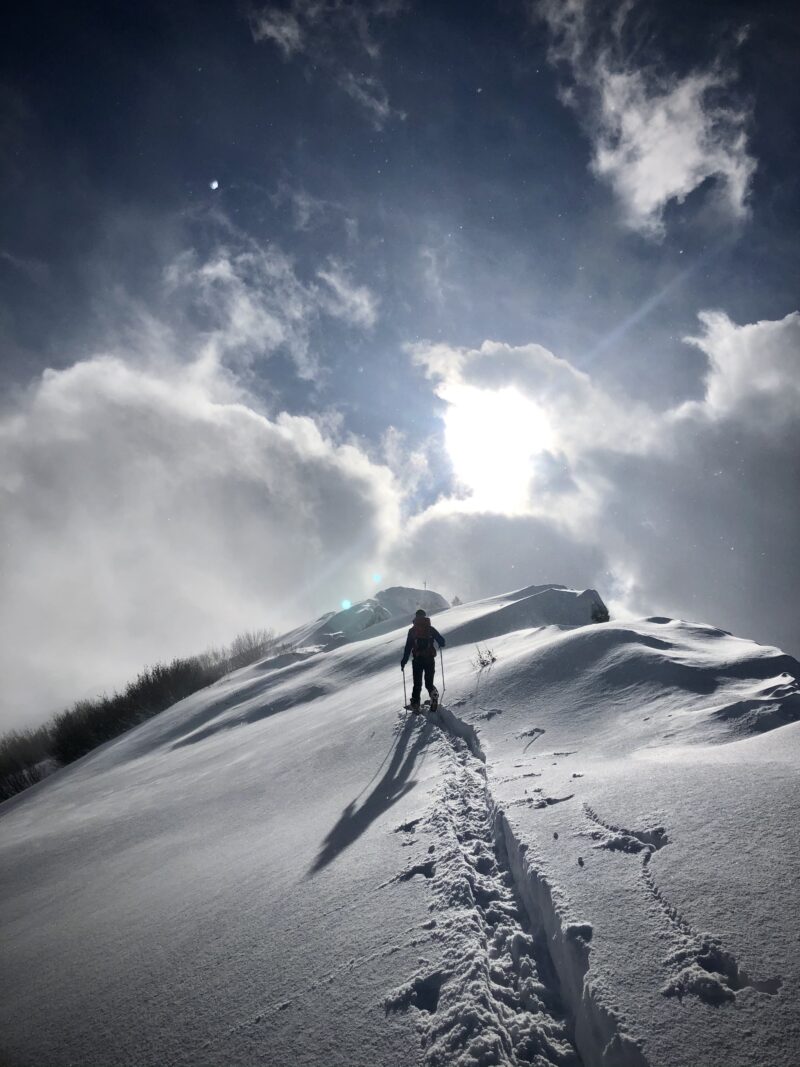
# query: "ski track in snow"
493,999
701,966
512,989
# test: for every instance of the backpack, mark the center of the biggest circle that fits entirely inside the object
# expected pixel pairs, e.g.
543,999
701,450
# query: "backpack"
423,644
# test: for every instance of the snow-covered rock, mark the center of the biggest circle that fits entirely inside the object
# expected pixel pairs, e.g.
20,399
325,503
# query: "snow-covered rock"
588,856
400,601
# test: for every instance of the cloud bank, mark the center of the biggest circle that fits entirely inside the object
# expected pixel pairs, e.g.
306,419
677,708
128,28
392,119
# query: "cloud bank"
149,508
687,512
656,135
143,517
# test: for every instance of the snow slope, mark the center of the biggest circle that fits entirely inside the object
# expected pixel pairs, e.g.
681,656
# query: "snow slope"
588,856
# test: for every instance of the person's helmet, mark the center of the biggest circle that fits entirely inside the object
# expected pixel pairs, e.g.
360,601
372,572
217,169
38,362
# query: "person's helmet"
420,614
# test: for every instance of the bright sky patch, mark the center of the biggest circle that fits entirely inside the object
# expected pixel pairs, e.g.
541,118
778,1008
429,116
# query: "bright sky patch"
492,438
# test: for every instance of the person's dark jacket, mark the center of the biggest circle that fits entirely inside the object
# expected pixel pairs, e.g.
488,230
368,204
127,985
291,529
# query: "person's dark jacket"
440,641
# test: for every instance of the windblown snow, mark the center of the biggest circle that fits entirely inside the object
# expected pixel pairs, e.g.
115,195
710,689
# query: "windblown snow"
587,856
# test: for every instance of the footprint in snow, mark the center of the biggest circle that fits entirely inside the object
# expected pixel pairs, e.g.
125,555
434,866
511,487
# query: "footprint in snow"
702,967
540,802
427,870
421,993
408,827
534,734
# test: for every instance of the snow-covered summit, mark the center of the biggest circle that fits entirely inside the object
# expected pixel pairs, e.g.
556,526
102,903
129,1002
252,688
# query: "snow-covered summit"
336,627
400,600
586,858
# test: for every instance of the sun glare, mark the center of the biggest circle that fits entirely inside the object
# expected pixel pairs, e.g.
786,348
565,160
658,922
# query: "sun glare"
492,438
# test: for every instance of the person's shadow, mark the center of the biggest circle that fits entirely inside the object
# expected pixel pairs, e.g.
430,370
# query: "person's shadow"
394,784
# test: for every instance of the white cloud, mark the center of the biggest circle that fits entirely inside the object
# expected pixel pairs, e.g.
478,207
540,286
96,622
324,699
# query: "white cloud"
327,31
656,136
436,269
142,517
751,365
304,24
691,511
307,210
367,91
408,464
581,414
343,299
255,304
280,26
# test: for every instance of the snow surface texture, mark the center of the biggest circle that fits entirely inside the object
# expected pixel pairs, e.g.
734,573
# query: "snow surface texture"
588,856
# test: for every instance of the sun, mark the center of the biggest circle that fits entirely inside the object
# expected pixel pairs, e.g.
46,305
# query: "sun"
492,437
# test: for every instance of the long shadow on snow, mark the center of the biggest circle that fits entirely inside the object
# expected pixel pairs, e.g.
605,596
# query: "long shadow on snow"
394,784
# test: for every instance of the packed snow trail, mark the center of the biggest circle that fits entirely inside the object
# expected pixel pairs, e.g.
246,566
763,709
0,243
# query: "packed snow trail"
559,949
271,870
490,997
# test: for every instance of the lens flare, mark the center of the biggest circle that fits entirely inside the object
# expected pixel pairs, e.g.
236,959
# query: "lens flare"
346,604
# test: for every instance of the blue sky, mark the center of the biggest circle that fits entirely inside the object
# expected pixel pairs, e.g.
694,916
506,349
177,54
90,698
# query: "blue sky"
268,273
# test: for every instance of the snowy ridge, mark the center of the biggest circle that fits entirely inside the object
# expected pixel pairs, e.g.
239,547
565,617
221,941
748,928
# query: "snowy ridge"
538,605
582,859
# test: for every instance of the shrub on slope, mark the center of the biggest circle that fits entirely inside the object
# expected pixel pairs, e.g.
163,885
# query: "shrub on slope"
28,756
25,758
91,722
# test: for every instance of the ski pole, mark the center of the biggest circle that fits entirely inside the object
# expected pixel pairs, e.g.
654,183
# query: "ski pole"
441,698
405,695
